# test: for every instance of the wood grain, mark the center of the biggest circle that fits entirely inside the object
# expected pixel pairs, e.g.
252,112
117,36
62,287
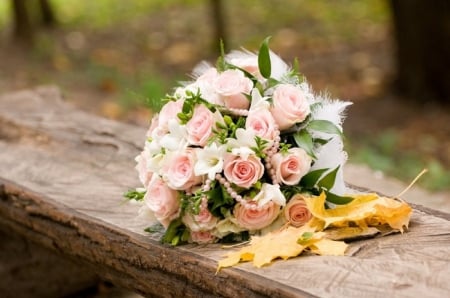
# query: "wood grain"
62,176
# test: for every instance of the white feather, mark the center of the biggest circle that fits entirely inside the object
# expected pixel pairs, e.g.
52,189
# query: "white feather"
332,154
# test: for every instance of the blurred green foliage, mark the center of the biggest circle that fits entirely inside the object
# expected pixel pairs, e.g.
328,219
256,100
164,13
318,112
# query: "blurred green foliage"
316,24
383,152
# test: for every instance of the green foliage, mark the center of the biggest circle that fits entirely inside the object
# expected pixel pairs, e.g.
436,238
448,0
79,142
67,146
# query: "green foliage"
324,126
176,233
338,200
305,237
384,152
328,180
264,64
312,178
134,194
219,201
304,140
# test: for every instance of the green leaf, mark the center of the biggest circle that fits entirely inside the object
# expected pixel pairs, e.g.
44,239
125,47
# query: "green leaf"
221,64
324,126
296,66
306,236
264,65
338,200
310,180
304,140
134,194
327,182
218,198
173,232
321,141
156,228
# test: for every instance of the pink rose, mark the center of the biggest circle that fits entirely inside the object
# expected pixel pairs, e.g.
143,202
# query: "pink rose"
258,218
262,123
243,172
170,111
246,61
290,167
289,106
203,221
179,173
231,85
296,212
202,237
163,201
145,175
200,126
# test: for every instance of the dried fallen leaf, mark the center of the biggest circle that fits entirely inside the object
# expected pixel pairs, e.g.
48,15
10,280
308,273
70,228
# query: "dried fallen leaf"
365,210
327,247
262,250
370,212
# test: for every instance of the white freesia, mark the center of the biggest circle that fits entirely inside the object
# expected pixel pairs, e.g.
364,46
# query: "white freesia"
155,163
210,161
243,152
183,92
270,192
153,147
245,139
258,102
176,138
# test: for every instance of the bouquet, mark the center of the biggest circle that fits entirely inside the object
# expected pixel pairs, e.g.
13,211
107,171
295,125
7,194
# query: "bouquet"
240,150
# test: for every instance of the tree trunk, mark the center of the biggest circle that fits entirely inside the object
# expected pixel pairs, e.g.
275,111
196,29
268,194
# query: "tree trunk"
422,32
23,31
217,12
48,16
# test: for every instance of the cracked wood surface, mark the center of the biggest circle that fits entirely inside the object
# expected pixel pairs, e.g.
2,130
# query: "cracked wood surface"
62,176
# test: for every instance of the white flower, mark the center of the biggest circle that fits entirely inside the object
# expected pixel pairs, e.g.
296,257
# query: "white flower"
181,92
210,161
176,138
259,102
155,163
245,139
270,192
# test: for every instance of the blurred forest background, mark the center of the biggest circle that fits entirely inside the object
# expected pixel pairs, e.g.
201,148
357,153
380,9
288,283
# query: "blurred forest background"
119,58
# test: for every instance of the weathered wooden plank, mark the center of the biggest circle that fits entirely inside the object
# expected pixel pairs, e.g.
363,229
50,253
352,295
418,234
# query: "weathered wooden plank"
63,173
23,262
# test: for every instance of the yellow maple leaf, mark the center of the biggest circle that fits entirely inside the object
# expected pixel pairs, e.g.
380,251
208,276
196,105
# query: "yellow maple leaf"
262,250
327,247
365,210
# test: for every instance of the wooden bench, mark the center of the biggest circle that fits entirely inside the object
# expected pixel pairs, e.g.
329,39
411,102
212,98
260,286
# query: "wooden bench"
62,176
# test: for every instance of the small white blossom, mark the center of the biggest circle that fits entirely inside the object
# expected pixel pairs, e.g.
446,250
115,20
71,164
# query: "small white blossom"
245,139
210,161
176,139
258,102
269,193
